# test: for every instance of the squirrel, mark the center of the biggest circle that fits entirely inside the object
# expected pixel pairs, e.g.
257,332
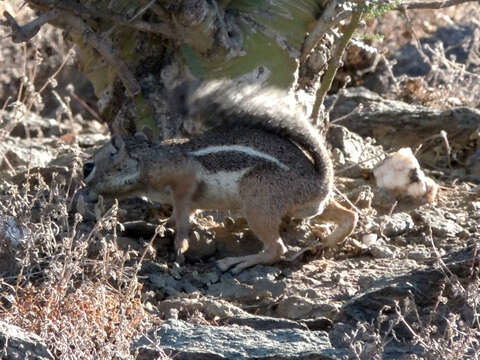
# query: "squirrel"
256,155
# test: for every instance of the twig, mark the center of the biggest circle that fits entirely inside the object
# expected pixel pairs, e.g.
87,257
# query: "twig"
142,10
5,104
341,171
389,67
448,273
24,33
444,136
407,325
71,91
2,156
335,63
328,20
418,45
357,109
322,26
86,11
347,200
131,84
54,75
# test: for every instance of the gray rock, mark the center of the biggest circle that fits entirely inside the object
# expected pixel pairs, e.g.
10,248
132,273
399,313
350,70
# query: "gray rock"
441,225
457,39
419,254
21,153
472,165
396,124
296,308
424,285
200,245
192,342
351,149
397,224
13,238
17,344
250,285
32,124
209,307
266,323
381,252
258,282
170,285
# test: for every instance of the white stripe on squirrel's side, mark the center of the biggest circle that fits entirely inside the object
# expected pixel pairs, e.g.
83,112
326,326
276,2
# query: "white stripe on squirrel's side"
239,148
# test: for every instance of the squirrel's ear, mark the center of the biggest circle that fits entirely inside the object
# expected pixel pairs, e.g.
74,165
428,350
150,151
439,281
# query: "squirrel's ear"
145,134
118,143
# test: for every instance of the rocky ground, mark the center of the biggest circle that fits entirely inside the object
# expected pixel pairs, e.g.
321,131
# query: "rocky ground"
404,286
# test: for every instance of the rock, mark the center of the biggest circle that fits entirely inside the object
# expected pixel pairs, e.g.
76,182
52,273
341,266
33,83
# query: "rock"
211,308
13,238
400,173
354,150
170,285
19,344
200,245
364,281
31,124
236,244
23,152
419,254
296,308
200,342
395,124
265,323
472,165
369,239
381,252
423,285
250,285
458,41
397,224
438,221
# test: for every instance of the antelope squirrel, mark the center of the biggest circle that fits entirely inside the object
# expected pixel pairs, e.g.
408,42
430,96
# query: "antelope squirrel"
259,157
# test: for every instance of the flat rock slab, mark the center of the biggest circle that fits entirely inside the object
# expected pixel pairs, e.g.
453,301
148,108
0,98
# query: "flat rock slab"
192,341
397,124
16,343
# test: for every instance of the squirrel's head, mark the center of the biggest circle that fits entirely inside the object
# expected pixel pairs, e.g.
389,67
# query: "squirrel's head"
112,171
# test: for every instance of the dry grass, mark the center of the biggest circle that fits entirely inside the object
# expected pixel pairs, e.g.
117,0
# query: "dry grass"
84,307
65,280
449,83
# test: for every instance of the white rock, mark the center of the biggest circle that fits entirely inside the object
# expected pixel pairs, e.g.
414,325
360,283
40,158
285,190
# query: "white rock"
401,173
369,239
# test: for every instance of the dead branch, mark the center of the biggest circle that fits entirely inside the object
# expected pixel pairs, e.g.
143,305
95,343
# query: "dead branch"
24,33
91,12
334,64
328,20
105,50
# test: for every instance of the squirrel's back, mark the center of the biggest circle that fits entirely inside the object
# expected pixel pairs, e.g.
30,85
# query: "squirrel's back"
215,103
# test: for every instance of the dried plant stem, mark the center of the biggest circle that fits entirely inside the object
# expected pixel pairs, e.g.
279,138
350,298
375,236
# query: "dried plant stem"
55,74
24,33
326,22
128,79
74,8
335,63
